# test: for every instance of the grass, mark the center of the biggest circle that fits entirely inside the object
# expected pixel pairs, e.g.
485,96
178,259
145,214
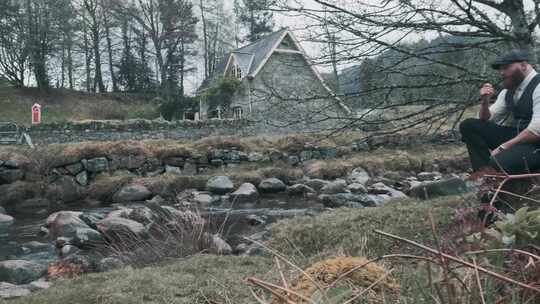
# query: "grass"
60,105
212,279
200,279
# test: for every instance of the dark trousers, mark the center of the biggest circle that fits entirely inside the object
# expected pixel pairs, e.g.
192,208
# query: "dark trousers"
483,136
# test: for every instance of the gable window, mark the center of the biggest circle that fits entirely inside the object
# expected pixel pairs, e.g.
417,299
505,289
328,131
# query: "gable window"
237,72
237,112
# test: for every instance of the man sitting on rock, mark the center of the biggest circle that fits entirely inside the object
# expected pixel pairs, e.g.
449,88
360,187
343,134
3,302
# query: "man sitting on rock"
506,135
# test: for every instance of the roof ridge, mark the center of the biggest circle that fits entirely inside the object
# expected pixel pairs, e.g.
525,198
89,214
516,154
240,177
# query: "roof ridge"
263,38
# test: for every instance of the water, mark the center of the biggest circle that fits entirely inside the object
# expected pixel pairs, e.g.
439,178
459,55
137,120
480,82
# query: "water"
233,222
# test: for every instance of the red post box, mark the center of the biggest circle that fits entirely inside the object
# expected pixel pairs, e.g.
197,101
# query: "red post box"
36,114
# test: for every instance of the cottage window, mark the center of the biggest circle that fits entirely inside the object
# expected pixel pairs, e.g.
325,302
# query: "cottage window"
237,112
237,72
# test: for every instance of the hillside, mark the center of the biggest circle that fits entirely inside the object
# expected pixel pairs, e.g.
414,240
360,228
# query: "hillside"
66,105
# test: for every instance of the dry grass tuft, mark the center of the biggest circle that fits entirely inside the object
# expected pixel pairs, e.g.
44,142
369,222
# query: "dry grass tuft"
352,271
168,185
221,142
104,187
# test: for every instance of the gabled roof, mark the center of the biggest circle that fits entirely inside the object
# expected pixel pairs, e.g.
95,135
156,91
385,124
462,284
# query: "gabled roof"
252,58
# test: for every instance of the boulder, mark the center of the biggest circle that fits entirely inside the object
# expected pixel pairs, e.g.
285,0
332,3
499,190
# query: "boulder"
96,165
337,186
246,193
428,190
272,185
12,164
12,291
219,185
64,189
10,175
358,176
300,189
121,228
21,272
132,193
64,224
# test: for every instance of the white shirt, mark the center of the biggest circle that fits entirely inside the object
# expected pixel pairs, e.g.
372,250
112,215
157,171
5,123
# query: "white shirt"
499,110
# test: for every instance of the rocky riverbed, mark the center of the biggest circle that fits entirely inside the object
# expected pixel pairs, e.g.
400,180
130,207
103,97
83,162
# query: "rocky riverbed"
227,219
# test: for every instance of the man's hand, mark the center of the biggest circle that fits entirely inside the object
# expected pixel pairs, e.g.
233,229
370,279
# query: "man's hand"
486,92
497,150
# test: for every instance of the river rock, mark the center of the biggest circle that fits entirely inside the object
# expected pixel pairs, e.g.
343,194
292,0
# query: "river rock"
359,176
6,222
256,157
337,186
10,175
96,165
190,168
82,178
32,207
272,185
219,185
357,188
428,176
64,189
300,189
109,263
39,285
11,291
317,183
246,193
345,200
21,272
173,170
132,193
203,199
11,164
121,228
217,245
381,188
87,238
427,190
64,224
74,169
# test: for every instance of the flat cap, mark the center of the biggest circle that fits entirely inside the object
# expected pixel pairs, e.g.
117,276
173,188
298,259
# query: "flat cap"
511,57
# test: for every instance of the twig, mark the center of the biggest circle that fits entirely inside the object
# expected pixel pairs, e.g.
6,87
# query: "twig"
369,287
283,280
261,301
271,288
505,250
477,275
460,261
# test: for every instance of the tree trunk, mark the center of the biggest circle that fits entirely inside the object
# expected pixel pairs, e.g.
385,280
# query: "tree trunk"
110,52
205,41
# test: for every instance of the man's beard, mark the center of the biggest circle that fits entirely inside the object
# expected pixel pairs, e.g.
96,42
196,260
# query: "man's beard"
514,80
